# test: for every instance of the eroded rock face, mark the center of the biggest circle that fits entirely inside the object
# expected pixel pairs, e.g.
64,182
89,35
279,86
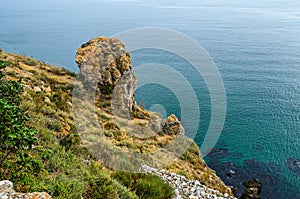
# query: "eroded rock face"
106,68
7,191
172,126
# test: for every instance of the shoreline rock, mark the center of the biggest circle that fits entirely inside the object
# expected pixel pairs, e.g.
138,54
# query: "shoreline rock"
253,189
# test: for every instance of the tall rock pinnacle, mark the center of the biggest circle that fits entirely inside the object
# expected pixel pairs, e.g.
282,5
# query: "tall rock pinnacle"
106,69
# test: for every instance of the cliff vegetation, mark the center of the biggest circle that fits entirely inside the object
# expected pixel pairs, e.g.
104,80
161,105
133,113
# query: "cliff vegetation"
42,151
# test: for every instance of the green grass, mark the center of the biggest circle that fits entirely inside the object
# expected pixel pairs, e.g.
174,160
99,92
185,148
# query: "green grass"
146,186
57,162
30,62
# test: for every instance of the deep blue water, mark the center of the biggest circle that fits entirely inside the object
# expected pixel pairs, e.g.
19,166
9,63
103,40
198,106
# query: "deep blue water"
255,45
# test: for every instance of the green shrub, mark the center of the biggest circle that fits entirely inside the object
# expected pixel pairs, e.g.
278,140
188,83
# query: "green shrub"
30,62
102,117
144,185
67,87
127,144
182,173
108,133
15,136
123,192
54,125
106,89
104,104
111,126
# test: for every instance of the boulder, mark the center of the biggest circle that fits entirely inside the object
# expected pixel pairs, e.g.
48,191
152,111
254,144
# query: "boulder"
172,126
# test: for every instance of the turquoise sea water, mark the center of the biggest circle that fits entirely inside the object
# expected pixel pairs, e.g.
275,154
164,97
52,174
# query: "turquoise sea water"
255,45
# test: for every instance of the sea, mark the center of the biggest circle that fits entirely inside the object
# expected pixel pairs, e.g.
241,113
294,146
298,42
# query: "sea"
255,46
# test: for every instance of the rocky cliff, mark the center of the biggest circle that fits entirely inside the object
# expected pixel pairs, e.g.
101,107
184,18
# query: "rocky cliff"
106,66
62,165
106,69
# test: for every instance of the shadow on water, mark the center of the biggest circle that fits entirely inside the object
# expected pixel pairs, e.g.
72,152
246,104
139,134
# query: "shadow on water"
268,173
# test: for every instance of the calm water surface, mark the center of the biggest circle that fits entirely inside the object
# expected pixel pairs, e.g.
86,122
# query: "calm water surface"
255,45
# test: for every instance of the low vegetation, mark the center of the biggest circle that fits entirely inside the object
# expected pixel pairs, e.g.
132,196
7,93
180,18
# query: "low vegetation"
144,185
42,151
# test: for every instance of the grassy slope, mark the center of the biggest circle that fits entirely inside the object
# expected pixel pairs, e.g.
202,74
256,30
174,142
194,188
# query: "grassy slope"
66,163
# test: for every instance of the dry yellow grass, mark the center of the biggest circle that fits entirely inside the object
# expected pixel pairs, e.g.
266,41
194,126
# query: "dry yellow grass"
43,80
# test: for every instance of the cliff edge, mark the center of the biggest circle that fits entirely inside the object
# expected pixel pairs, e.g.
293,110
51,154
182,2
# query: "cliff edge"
62,162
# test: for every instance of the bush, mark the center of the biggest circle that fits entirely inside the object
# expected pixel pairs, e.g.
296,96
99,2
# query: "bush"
30,62
15,136
146,186
106,89
111,126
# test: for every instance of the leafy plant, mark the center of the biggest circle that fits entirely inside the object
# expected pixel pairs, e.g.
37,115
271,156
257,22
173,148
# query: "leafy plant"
106,89
146,186
14,136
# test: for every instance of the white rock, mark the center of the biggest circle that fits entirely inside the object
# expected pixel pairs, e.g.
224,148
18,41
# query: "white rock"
47,100
193,189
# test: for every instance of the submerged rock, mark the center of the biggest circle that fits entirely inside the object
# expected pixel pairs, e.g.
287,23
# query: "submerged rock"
253,189
234,175
218,153
293,164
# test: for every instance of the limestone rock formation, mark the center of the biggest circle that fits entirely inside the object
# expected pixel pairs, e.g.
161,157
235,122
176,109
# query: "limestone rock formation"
7,191
173,126
106,69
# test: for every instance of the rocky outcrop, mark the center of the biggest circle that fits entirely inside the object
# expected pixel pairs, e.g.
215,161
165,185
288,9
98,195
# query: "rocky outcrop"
191,164
184,188
172,126
7,192
106,69
253,189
